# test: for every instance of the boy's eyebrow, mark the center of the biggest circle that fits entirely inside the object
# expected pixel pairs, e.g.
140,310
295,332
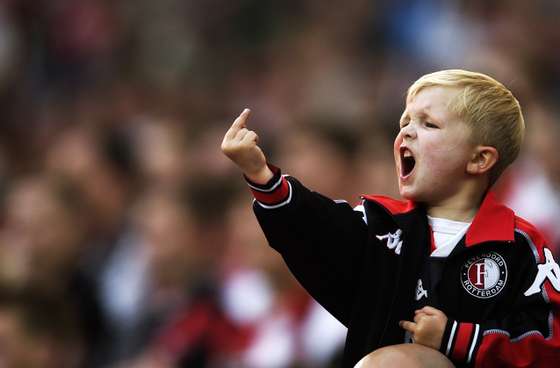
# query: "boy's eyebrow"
404,116
422,113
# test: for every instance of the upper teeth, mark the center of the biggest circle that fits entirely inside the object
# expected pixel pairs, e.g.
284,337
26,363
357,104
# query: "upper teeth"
407,153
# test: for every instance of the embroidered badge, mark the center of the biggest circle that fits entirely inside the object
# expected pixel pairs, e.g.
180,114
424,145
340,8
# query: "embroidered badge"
485,275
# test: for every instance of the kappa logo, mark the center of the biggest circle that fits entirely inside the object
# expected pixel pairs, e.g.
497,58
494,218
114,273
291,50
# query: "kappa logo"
393,240
484,276
547,270
420,291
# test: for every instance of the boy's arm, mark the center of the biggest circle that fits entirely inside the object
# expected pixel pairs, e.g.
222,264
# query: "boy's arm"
528,337
321,240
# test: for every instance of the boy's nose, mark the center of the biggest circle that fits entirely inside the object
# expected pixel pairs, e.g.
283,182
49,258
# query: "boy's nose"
409,132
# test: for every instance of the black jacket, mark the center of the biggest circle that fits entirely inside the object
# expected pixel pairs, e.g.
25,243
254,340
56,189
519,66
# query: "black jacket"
500,287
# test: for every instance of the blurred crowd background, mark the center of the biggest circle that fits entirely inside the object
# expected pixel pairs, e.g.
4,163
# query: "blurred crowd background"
128,240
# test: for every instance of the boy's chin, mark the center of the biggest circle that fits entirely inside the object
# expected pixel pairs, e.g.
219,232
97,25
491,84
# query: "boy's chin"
406,193
409,195
417,197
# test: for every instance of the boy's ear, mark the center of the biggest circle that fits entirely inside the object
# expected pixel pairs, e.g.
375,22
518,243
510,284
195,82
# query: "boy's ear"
483,160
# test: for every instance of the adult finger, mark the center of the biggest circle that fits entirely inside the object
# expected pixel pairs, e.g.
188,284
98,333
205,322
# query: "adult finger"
409,326
419,316
430,310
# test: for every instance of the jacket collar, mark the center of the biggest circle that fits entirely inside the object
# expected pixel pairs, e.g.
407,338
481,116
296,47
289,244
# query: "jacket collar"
394,206
492,222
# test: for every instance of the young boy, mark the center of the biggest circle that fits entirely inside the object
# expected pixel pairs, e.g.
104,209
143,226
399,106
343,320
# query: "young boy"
449,269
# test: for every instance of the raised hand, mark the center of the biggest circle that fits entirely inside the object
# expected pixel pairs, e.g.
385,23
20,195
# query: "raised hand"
240,146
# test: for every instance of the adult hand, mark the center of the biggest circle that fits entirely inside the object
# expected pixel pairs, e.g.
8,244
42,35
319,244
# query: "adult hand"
428,326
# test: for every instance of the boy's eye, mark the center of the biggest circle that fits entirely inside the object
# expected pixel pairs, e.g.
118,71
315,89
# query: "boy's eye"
430,125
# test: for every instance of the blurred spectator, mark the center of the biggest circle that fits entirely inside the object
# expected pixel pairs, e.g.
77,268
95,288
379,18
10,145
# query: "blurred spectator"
37,331
286,328
161,153
41,249
321,153
160,283
151,271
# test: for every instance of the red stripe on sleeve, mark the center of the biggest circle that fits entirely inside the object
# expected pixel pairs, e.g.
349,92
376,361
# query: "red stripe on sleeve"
462,341
278,195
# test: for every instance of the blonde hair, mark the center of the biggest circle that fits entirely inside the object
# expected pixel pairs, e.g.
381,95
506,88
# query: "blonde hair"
487,106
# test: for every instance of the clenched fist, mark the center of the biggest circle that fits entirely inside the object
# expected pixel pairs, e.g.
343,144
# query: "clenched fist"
240,146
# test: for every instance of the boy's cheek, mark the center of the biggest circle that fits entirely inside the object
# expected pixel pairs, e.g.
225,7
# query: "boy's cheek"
442,160
396,148
398,142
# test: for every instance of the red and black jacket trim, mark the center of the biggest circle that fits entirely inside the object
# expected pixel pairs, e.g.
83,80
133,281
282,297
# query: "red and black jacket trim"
460,341
275,193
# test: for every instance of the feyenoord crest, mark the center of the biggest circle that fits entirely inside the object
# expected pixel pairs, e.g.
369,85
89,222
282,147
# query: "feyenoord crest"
484,276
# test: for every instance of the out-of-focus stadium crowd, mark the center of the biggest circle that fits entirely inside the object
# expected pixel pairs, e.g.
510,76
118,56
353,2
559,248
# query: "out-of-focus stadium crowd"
127,239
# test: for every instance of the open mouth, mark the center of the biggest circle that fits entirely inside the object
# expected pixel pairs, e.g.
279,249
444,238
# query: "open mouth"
407,162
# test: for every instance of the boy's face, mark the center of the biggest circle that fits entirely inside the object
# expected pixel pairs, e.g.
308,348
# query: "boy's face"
432,148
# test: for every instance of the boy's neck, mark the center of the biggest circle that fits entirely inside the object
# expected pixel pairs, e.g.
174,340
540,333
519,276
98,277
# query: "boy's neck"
458,213
461,207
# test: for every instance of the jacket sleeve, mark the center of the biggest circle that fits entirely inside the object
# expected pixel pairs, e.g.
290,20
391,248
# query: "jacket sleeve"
529,336
321,240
